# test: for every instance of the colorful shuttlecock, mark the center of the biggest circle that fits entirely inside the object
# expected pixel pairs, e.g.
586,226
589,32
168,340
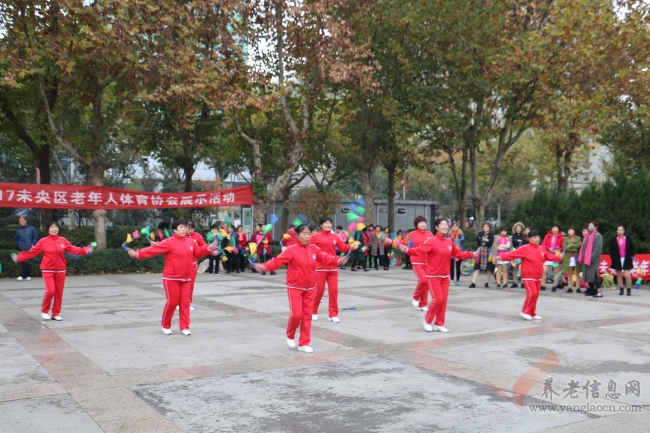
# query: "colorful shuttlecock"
145,231
160,235
129,239
229,249
93,244
14,257
361,211
352,227
274,219
352,207
209,237
135,234
252,247
167,234
152,236
286,236
352,216
224,258
360,226
268,228
297,222
223,233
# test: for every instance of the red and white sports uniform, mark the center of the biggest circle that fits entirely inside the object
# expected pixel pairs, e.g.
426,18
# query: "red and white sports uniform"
179,272
532,269
301,261
199,242
53,268
418,261
328,242
437,251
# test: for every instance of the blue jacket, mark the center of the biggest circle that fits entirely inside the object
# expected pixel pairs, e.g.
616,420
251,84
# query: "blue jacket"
26,237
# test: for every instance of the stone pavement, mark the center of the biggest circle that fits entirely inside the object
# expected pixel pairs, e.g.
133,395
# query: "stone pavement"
108,367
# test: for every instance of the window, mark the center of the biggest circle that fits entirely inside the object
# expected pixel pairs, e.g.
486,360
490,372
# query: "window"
383,211
345,210
401,210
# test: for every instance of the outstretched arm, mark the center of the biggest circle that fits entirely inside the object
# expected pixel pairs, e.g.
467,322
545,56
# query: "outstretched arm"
33,252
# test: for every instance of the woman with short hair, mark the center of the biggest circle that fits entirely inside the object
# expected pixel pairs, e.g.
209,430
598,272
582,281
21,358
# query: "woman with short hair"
589,258
484,240
621,251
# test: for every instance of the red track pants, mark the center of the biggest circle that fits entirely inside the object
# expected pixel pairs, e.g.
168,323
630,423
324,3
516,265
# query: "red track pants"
439,288
54,282
301,304
422,288
196,269
332,280
532,293
178,293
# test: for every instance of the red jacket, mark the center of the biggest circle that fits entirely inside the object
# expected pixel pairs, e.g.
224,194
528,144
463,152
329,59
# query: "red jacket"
196,237
258,238
180,253
328,242
418,237
242,241
546,243
301,264
437,253
532,260
52,248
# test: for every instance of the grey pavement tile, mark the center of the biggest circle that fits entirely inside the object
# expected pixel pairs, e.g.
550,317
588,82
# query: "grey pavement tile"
361,395
55,413
18,366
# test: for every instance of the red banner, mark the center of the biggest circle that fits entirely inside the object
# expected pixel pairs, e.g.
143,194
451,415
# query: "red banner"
641,266
28,195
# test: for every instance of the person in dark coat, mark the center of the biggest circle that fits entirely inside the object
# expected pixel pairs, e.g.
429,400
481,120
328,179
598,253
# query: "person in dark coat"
25,238
621,250
589,258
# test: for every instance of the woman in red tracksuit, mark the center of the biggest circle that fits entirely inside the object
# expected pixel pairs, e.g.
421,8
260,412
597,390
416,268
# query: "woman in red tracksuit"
191,234
328,242
301,259
53,267
418,261
181,253
437,253
532,257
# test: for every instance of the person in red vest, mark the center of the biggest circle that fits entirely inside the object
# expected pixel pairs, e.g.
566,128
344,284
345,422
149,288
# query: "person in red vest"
553,242
263,242
181,253
418,261
328,242
196,237
53,267
301,260
437,252
533,256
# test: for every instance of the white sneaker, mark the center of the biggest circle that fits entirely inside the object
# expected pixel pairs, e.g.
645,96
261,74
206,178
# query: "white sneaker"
186,332
305,349
46,316
28,278
526,316
19,278
57,318
167,331
334,319
415,303
537,317
191,308
427,327
440,328
423,309
314,317
291,343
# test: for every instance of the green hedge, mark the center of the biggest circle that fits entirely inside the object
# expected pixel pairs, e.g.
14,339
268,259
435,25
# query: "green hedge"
100,262
611,203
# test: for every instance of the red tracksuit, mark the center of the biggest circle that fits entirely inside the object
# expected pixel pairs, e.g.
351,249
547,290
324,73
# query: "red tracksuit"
200,243
532,267
181,254
418,261
301,282
328,242
53,267
438,251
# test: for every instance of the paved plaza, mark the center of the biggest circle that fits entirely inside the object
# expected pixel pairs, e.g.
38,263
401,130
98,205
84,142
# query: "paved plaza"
108,367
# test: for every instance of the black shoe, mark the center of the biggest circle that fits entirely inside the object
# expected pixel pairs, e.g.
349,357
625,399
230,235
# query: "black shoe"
471,286
272,272
385,268
514,286
553,289
629,292
543,288
578,291
570,290
354,269
522,286
621,291
598,295
366,269
487,286
498,286
254,271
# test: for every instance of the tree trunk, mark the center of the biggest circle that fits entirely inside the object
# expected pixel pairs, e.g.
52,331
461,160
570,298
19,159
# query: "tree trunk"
259,212
284,224
563,158
189,170
43,165
460,184
391,168
367,181
95,178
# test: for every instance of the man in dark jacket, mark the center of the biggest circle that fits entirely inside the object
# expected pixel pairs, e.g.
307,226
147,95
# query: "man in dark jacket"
26,237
